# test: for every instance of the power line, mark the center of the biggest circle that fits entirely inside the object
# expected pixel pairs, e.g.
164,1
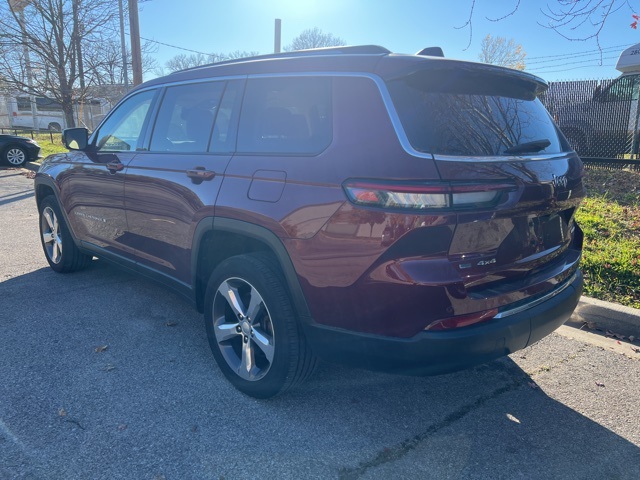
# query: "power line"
555,60
174,46
576,68
572,63
585,51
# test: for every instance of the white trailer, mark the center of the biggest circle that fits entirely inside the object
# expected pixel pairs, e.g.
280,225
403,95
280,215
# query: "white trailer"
49,114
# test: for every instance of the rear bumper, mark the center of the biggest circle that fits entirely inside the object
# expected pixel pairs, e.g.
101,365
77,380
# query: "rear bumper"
432,353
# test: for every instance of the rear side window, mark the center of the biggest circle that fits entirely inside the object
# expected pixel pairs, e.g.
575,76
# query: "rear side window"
186,116
490,116
286,115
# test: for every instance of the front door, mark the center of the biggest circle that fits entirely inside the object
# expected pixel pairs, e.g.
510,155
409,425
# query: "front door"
94,188
174,184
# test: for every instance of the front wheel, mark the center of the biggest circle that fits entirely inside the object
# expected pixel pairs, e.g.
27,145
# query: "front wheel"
60,250
252,328
15,156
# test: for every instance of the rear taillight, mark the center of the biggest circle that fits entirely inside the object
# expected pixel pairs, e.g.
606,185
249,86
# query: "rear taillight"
417,196
462,320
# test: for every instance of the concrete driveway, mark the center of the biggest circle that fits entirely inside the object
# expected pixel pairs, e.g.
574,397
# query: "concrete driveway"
104,375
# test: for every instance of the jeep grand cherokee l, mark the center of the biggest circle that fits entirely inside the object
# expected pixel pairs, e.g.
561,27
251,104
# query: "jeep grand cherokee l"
406,213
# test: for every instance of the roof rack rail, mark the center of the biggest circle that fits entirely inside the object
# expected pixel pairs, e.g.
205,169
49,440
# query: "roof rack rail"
343,50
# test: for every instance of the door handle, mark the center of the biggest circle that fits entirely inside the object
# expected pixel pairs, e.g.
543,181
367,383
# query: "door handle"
115,166
200,174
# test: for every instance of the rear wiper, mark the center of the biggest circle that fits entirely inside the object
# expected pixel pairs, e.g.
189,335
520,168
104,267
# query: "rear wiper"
529,147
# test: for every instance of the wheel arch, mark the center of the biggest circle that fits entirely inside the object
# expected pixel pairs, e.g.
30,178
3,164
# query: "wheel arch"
219,238
44,186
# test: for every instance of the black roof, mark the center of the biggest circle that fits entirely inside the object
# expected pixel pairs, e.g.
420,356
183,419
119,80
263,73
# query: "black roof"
359,58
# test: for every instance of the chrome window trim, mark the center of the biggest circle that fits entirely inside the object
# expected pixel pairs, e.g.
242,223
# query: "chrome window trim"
388,103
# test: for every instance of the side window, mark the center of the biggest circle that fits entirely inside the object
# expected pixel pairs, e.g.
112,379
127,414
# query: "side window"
623,89
286,115
186,117
24,104
120,132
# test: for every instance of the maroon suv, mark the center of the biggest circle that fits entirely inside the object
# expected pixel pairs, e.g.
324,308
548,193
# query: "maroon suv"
407,213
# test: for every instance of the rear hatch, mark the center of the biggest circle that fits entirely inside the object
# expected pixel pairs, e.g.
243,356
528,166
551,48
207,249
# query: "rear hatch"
490,136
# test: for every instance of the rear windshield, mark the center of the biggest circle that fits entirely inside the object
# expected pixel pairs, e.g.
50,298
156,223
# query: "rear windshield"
479,118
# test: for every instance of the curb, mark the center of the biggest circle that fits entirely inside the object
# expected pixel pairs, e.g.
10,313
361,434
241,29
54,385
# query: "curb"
606,316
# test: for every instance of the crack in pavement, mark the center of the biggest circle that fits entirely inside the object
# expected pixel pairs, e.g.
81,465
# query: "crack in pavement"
399,451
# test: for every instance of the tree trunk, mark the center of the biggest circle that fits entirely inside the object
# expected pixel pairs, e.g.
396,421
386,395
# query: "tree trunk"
67,108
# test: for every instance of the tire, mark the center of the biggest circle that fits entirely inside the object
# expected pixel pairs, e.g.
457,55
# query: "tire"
252,329
15,156
58,245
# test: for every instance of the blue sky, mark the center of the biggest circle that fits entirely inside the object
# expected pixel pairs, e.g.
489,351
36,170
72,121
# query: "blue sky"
403,26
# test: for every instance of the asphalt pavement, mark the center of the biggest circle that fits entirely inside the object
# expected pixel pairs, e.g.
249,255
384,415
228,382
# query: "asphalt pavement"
104,375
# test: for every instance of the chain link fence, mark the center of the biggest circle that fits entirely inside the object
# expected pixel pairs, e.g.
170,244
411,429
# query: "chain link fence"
599,119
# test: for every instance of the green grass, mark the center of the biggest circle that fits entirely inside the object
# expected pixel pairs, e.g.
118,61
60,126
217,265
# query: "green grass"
611,224
46,146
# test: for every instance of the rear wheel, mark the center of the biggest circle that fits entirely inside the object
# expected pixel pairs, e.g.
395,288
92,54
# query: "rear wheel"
61,252
252,329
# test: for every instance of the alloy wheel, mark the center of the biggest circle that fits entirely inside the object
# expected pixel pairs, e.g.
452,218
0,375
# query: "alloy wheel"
243,329
16,156
51,236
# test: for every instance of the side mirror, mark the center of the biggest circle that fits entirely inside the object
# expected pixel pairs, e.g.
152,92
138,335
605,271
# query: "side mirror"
75,138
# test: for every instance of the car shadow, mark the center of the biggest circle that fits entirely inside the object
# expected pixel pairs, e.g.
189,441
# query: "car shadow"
105,373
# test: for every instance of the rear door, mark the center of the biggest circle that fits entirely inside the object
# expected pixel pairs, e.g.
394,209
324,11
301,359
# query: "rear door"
172,185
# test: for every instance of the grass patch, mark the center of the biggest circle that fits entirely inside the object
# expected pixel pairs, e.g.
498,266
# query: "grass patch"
610,219
49,143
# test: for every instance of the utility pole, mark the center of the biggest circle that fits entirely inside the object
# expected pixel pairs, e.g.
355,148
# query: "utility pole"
277,36
77,33
18,6
136,55
123,45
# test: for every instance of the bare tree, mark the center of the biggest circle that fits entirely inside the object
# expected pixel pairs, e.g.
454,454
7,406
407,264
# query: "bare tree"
103,62
51,32
314,38
183,61
503,52
568,17
572,19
